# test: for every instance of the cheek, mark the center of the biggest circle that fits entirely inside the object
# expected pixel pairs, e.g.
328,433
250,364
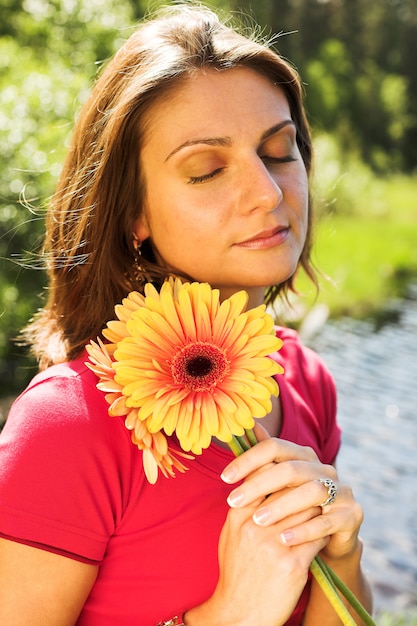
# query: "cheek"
178,228
298,189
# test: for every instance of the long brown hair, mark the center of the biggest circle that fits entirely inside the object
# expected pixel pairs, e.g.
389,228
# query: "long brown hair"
88,246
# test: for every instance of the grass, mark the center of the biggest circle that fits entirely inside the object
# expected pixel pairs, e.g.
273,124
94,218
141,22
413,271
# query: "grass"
389,619
366,239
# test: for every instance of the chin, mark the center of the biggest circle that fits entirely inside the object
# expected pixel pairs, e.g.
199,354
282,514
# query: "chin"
275,278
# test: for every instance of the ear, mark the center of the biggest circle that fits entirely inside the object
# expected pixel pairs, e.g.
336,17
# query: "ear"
141,229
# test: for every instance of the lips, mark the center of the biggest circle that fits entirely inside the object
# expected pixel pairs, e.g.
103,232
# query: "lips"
266,238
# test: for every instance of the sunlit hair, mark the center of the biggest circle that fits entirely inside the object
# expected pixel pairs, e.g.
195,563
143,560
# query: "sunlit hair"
88,247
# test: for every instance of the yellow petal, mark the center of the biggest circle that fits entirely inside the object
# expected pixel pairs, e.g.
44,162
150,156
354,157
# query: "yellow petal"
141,330
233,351
210,415
185,417
224,401
262,345
235,385
118,407
171,419
151,292
223,433
185,314
150,466
131,419
257,366
214,304
110,386
255,326
171,314
159,324
115,331
257,409
156,420
238,302
235,330
203,323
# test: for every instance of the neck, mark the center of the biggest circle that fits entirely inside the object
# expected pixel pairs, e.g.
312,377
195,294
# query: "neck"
255,295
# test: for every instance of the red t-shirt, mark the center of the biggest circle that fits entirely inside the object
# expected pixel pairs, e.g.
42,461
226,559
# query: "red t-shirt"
72,482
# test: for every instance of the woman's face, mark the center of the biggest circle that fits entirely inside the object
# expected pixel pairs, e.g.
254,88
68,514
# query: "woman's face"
226,188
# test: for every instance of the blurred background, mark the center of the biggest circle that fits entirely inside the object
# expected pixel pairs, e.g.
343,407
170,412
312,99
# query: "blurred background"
357,59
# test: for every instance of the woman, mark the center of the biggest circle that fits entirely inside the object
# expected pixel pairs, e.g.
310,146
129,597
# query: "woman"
190,158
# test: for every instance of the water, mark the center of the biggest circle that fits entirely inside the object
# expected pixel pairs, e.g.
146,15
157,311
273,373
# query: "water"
376,376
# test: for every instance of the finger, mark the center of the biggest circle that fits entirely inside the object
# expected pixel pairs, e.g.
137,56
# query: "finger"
243,516
260,432
320,526
277,479
289,502
267,451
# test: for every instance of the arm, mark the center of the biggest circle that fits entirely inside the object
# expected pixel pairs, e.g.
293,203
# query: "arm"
38,587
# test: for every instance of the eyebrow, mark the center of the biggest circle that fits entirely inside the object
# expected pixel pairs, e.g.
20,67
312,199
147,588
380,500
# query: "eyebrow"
208,141
227,141
276,128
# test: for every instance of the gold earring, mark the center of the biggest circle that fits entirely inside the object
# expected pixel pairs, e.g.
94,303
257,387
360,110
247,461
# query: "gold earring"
137,244
138,270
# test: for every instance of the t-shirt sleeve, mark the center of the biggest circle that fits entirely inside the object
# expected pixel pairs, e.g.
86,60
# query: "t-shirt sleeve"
325,403
63,461
313,397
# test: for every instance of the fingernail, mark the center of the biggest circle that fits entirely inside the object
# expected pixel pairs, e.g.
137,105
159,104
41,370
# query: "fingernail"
287,536
235,498
262,516
228,474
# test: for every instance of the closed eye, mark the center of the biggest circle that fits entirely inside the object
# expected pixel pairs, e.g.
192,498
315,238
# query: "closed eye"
194,180
285,159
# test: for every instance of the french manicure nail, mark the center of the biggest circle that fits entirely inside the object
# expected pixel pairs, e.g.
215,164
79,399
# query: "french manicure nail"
262,516
228,474
287,536
235,498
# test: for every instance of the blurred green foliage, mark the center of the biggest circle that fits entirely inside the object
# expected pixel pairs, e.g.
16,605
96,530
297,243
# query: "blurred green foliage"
389,619
49,54
366,235
357,59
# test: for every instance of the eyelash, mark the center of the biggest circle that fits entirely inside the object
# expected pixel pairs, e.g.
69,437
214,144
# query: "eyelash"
286,159
195,180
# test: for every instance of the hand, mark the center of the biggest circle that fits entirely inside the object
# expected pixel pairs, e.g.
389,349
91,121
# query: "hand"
281,479
261,577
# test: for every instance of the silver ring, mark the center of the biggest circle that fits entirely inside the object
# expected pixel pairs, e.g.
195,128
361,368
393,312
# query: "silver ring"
331,491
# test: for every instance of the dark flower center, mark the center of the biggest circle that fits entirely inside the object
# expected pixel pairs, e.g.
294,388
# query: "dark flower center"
199,366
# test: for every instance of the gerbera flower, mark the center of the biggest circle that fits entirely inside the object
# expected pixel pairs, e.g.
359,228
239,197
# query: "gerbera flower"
179,361
195,366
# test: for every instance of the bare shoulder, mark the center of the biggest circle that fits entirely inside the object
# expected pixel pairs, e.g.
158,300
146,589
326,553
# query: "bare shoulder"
39,587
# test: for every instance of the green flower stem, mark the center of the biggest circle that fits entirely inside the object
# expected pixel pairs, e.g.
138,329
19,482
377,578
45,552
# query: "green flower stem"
244,443
344,589
251,437
235,446
330,591
329,582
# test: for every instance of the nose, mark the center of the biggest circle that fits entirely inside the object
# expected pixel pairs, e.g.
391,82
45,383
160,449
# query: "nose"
260,189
